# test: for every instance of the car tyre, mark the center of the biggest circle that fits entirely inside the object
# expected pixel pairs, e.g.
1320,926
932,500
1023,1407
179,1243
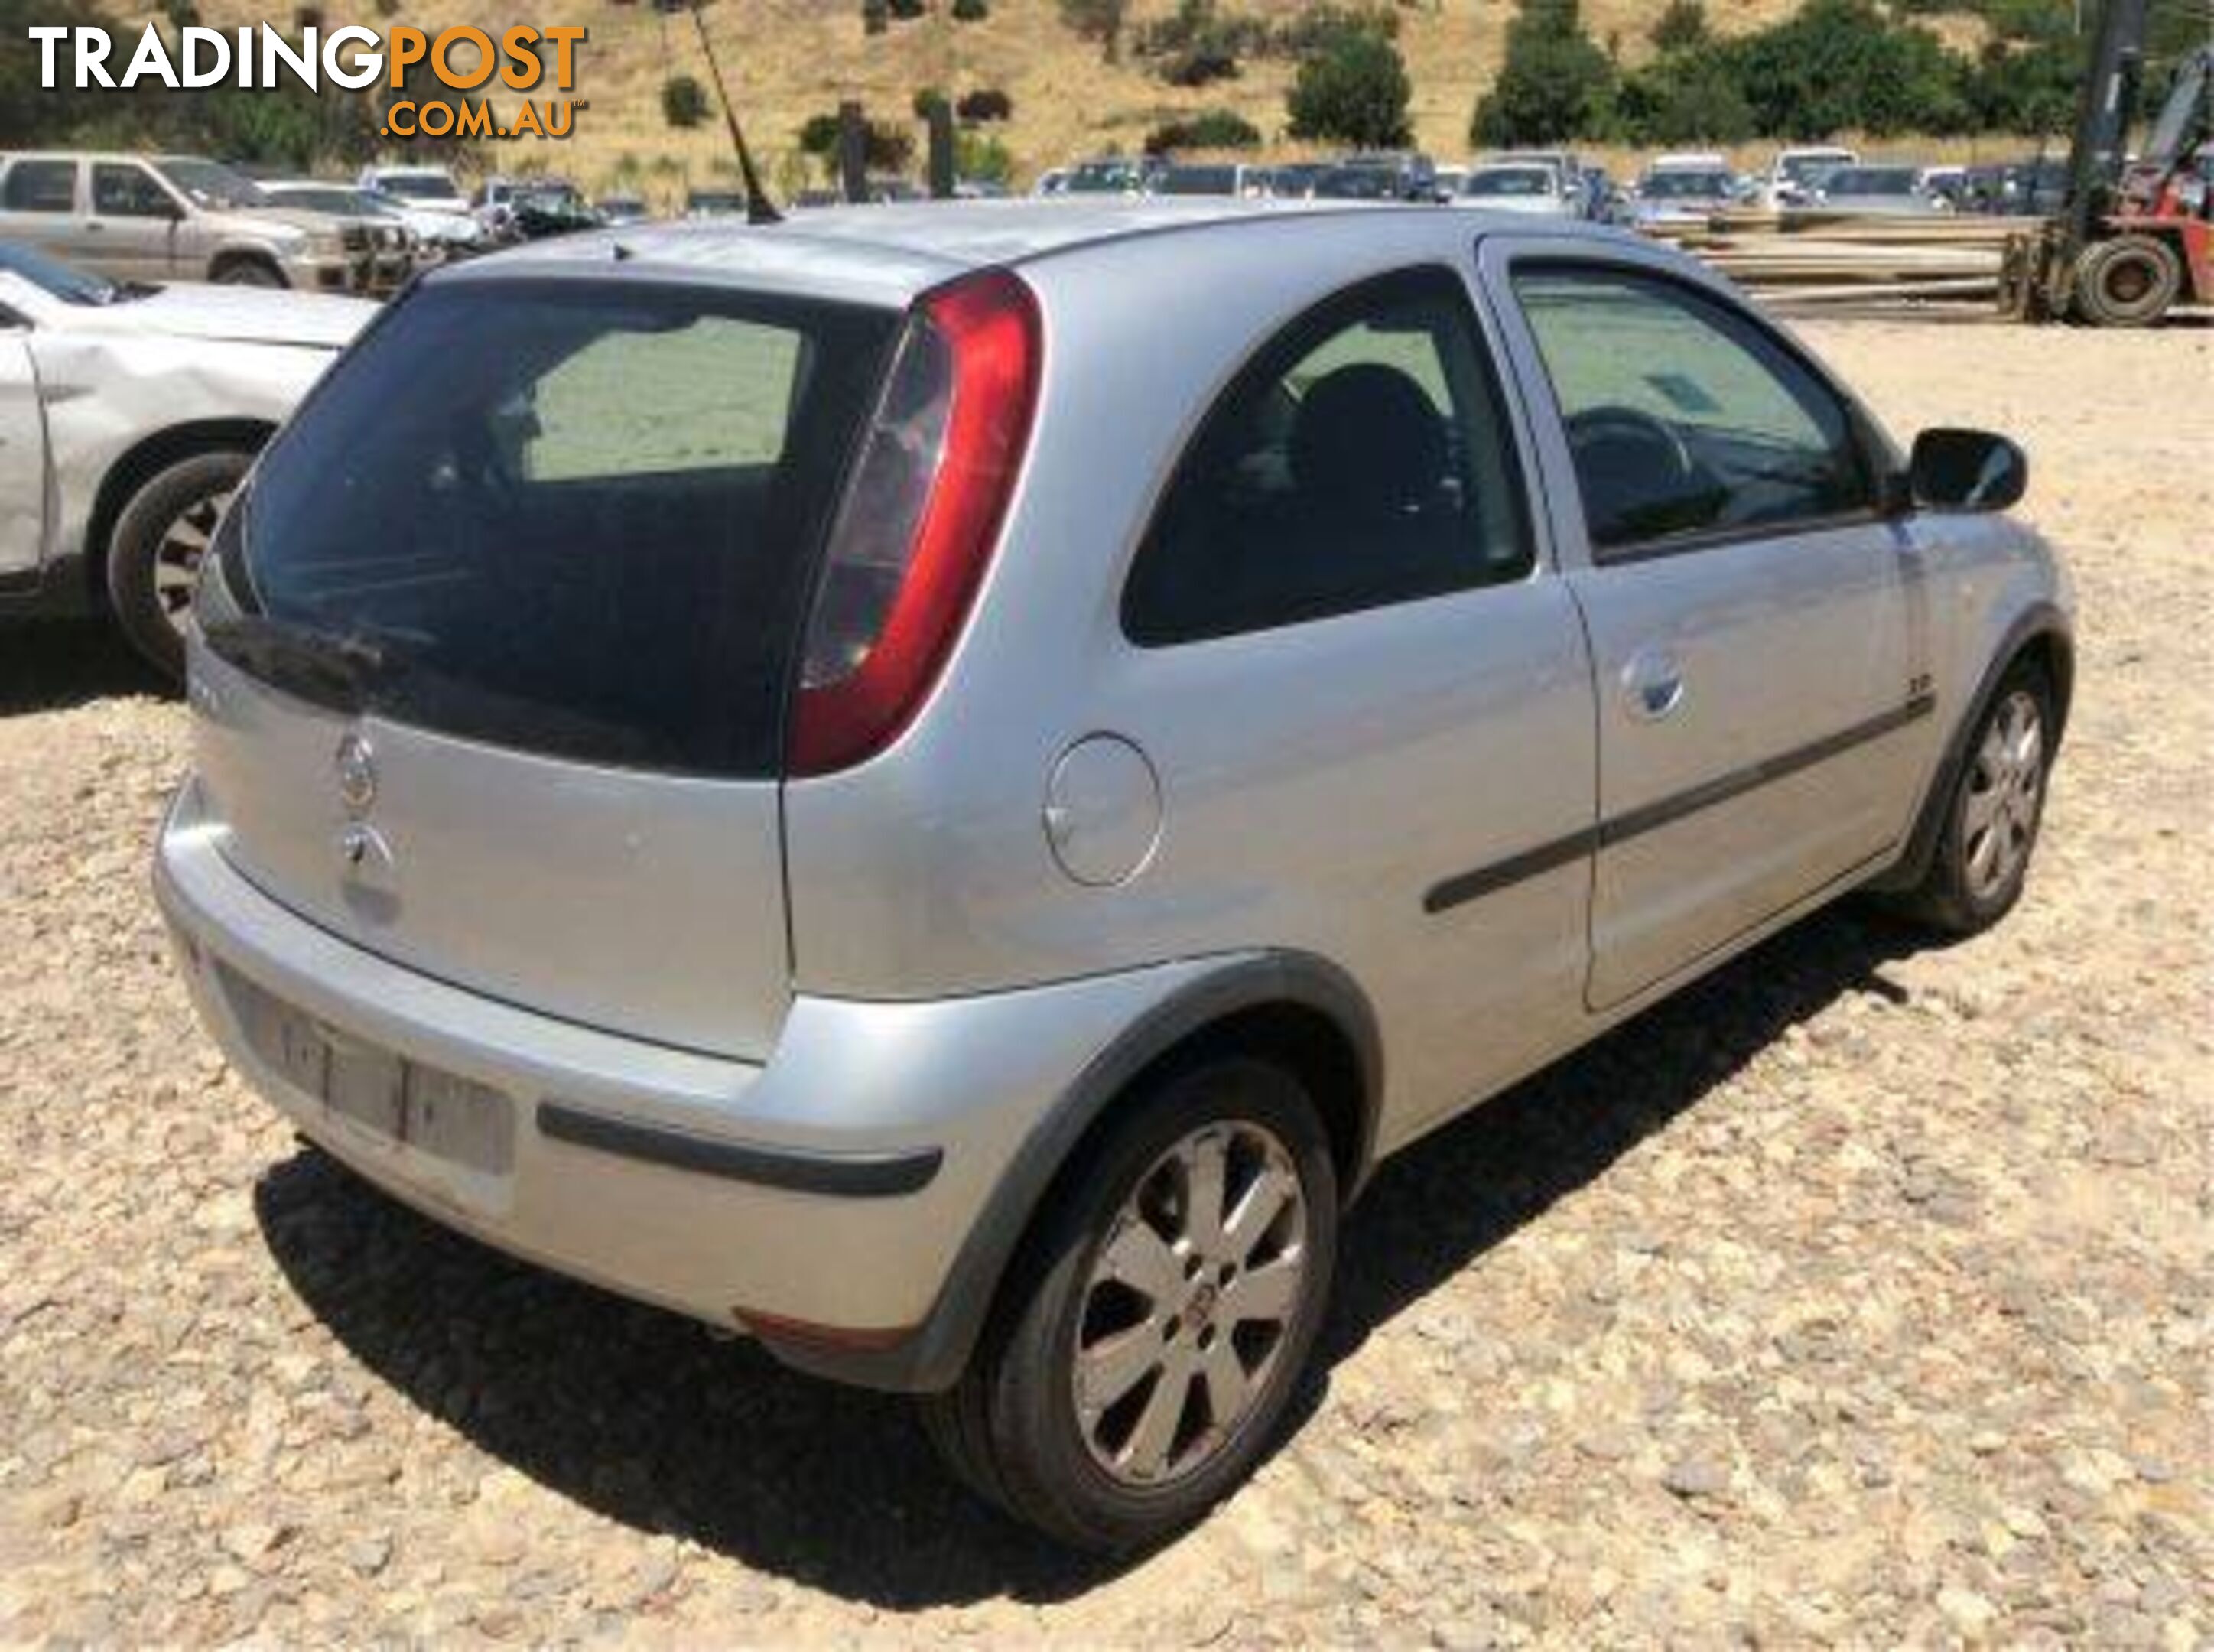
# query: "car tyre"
154,556
1983,854
2130,281
1131,1293
247,272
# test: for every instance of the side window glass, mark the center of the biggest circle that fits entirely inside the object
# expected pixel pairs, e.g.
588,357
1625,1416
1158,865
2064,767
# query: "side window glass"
1682,417
128,192
1362,458
40,186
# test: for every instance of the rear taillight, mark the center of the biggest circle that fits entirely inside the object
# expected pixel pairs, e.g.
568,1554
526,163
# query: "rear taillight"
919,518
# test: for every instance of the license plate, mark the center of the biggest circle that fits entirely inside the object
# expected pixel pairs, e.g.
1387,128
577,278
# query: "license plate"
432,1111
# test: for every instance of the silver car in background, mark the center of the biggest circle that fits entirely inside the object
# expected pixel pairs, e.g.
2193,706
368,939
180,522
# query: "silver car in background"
1872,188
878,782
1681,196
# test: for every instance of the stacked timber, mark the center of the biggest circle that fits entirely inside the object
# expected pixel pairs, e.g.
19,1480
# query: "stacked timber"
1811,254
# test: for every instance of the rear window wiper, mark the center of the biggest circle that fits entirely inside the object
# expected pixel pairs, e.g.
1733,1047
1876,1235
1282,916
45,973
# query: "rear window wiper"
329,668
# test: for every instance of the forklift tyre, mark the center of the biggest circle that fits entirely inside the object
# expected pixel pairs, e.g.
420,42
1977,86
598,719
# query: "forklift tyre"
2129,281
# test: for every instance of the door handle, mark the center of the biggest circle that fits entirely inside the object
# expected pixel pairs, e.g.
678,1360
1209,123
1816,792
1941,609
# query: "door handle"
1653,684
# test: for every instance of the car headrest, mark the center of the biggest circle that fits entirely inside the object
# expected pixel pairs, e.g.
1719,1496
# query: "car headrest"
1366,440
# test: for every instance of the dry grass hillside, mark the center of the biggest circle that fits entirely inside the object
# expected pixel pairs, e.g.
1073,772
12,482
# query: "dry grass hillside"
787,59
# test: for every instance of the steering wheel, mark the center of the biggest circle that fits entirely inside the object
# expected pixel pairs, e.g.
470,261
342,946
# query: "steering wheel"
1651,445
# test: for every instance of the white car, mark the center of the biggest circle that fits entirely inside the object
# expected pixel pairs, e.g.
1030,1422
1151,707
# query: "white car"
128,414
1795,174
430,203
1533,187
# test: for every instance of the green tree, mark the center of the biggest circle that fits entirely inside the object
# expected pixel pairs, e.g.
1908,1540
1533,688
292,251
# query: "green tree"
1556,83
1841,65
1354,90
1685,97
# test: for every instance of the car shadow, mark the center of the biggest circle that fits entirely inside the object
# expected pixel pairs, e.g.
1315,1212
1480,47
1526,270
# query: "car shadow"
638,1416
48,665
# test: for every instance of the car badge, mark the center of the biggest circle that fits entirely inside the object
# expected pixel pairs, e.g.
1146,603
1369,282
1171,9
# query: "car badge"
357,774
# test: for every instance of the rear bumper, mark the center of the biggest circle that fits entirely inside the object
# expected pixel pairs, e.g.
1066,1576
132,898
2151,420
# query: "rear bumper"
820,1199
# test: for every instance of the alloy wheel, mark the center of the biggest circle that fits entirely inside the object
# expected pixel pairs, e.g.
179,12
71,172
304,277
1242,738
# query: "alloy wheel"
1190,1303
1998,822
179,552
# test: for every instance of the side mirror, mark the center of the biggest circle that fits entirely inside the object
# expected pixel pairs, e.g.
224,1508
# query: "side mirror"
1966,470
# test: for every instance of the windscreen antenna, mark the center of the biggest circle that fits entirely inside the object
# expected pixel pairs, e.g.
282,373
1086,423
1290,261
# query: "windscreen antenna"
759,208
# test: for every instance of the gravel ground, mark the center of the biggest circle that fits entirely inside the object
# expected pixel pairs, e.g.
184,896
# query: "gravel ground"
1859,1295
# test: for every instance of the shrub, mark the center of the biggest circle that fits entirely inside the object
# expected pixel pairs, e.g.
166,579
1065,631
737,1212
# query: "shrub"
1682,25
888,148
1319,28
985,104
926,99
1198,67
1354,90
976,156
905,11
1216,129
876,17
970,11
683,101
1097,19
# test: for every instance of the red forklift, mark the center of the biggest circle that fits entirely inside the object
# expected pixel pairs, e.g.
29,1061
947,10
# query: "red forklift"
2133,238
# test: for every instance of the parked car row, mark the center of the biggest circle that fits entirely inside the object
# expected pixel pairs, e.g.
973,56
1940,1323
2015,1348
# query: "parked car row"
136,217
1554,183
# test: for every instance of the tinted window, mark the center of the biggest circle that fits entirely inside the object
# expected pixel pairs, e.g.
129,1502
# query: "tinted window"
126,192
40,186
1361,458
570,517
1683,416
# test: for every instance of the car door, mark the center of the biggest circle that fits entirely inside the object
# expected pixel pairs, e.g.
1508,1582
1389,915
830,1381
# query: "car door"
22,454
134,222
1760,635
1366,691
38,204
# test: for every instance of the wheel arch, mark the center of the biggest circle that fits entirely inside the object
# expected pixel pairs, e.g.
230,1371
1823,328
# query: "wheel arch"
229,254
142,461
1290,1006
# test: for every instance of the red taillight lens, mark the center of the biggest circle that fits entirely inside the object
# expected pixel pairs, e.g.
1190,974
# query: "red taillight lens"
919,519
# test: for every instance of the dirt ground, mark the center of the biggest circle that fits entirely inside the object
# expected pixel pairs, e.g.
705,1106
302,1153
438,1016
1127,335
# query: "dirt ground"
1860,1295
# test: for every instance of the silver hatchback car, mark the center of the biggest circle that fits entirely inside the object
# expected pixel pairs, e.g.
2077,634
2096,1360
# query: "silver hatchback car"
939,785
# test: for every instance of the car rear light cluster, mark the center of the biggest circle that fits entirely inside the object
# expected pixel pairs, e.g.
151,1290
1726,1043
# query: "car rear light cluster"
920,515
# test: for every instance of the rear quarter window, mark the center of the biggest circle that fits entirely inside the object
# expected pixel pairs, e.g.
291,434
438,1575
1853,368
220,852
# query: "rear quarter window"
1363,458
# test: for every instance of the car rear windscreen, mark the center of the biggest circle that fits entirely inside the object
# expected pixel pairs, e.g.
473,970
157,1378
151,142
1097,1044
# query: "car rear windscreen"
575,518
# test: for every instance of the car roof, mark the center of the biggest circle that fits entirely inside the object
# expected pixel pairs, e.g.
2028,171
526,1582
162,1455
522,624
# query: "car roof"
885,254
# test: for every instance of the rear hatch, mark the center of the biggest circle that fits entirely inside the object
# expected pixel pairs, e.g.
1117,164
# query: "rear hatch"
498,646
